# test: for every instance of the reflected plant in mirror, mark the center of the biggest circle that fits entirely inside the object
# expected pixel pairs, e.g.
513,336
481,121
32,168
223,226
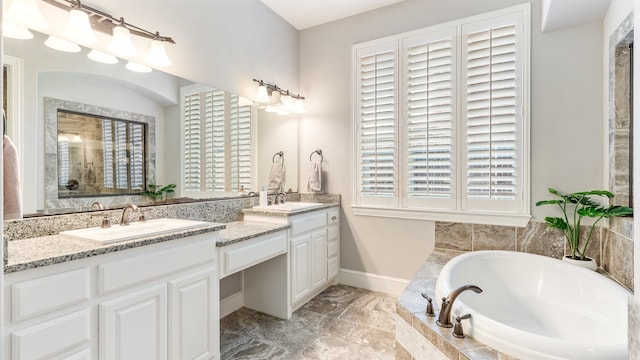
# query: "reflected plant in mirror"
98,155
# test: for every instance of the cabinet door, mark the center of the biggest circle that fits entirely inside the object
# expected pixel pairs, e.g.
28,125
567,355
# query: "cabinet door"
318,258
193,320
135,326
300,267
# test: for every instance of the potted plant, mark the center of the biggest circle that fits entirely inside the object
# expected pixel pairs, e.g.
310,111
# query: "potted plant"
159,191
575,207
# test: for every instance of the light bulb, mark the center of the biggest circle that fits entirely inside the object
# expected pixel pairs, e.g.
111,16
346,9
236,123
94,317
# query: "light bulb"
137,67
121,44
102,57
79,28
262,96
13,31
157,54
61,44
26,13
298,106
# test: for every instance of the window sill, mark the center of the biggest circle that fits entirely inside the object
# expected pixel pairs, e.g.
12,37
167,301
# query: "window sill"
487,218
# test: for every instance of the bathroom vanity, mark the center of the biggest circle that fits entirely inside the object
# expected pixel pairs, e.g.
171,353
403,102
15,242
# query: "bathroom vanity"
153,300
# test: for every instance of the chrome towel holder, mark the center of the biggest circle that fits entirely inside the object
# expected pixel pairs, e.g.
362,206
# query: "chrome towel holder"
280,154
319,152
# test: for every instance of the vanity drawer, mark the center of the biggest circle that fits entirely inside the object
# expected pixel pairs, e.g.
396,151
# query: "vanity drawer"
239,256
33,297
116,275
333,266
333,233
333,217
307,222
48,339
333,248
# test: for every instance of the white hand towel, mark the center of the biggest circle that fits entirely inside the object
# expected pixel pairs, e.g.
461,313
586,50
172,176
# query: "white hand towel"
315,177
11,181
276,176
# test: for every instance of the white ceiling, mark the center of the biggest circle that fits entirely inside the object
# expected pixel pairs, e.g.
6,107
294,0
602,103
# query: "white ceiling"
304,14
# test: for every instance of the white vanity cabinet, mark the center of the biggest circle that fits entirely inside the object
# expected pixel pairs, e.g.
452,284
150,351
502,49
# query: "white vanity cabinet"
314,250
155,302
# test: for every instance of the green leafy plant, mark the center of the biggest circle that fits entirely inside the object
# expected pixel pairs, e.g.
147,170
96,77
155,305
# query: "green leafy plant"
575,207
156,191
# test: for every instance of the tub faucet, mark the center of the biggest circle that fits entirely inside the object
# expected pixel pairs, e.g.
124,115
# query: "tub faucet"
125,214
444,319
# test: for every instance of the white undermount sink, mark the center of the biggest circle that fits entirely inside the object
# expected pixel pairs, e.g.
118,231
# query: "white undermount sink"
138,229
289,206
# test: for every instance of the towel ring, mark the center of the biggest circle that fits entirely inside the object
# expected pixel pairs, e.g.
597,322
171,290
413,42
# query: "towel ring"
319,152
279,153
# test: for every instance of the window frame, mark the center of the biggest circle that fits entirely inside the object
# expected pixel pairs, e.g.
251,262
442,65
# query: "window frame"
400,206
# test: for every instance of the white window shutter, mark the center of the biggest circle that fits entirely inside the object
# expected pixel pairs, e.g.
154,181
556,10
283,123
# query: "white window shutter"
429,116
191,115
492,102
376,116
240,145
214,140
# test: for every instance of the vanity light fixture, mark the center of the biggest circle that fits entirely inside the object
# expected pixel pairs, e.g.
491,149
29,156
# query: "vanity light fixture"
13,31
83,21
78,27
102,57
281,101
59,44
121,44
26,13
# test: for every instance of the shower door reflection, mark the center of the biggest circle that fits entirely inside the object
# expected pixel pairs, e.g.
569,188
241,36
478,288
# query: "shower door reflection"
98,155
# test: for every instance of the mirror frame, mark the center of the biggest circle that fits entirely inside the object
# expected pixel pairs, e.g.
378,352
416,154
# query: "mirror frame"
51,107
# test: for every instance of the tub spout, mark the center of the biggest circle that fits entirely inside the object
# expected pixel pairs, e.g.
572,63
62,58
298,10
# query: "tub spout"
444,319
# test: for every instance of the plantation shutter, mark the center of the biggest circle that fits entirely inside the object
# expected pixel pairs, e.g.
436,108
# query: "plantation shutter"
214,140
240,145
107,153
191,115
492,106
136,159
120,137
429,115
377,124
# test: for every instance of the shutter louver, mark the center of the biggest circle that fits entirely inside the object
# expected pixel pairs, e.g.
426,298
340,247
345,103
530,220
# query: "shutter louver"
240,146
107,154
430,115
492,105
192,140
377,119
137,155
214,141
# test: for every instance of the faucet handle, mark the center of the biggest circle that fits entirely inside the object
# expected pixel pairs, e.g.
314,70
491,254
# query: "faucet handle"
142,216
457,328
429,311
105,220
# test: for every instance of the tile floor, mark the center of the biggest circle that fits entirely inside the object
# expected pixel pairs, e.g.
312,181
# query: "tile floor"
343,322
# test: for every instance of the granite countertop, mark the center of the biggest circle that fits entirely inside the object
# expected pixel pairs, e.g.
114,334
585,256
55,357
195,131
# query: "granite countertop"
238,231
48,250
251,211
42,251
411,308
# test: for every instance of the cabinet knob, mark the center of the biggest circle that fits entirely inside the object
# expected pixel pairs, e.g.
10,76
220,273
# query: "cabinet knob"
333,218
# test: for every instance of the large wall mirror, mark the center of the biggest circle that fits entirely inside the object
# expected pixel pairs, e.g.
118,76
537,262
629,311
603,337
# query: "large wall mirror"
36,72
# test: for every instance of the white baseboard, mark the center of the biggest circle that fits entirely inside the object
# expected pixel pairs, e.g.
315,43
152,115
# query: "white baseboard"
374,282
231,304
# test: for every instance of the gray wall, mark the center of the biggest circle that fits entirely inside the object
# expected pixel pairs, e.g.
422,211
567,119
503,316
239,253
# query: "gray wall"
566,119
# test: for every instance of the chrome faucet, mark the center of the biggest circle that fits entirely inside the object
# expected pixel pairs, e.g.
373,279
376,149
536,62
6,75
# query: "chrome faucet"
125,214
282,195
444,319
